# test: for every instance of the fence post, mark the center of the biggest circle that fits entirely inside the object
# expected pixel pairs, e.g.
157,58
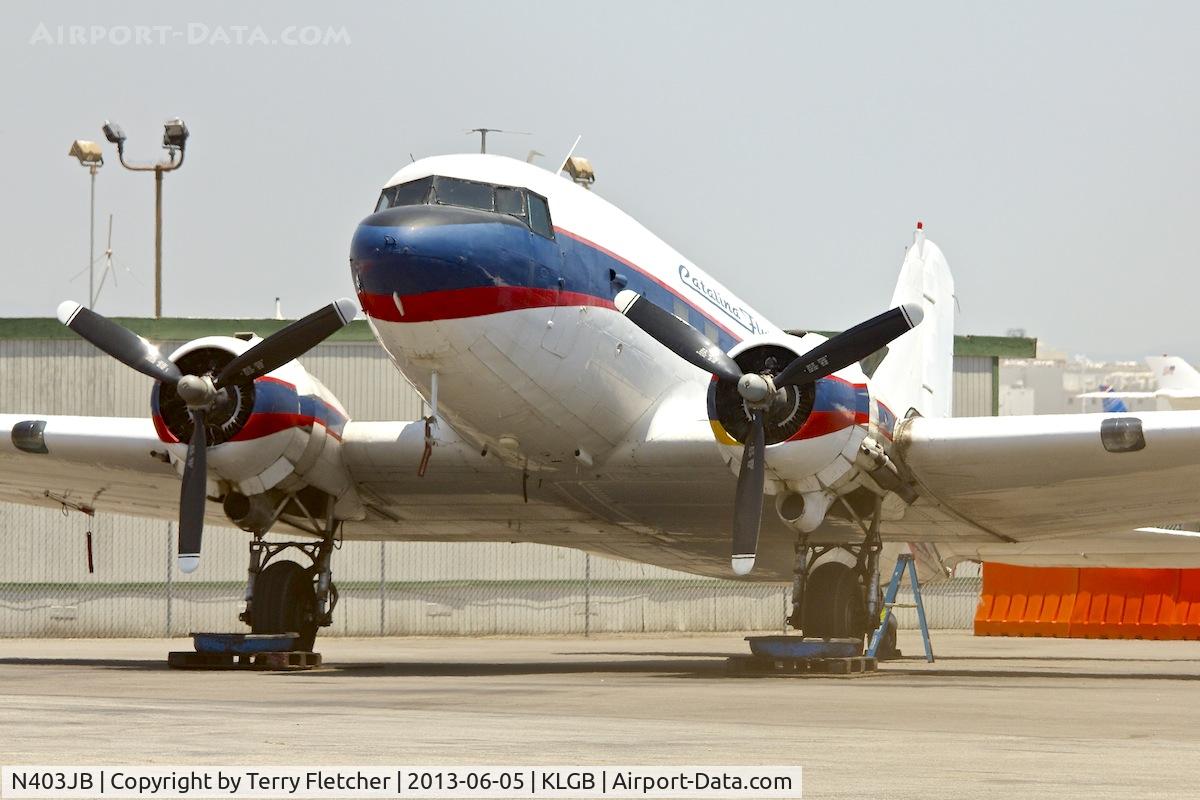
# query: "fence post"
587,594
382,589
170,572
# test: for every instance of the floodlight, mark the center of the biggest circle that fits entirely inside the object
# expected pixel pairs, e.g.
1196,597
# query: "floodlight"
87,152
113,132
175,133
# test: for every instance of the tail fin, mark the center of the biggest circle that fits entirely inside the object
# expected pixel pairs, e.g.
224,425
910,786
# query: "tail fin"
917,374
1173,373
1114,404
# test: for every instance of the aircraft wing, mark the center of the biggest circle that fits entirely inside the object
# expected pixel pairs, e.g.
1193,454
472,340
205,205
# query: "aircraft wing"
107,462
674,478
1118,395
1028,478
119,465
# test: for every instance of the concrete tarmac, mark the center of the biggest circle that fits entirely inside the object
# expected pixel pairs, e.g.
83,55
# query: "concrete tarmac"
992,718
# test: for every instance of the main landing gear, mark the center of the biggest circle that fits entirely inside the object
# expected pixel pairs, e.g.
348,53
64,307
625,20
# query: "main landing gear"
285,596
832,599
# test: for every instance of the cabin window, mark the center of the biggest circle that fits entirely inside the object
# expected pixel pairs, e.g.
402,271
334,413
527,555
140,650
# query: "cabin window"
539,216
680,309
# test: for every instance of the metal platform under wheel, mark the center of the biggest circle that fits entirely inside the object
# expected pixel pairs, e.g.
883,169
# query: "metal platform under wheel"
287,661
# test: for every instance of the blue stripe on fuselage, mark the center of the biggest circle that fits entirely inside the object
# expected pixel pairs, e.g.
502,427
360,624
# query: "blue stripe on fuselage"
414,260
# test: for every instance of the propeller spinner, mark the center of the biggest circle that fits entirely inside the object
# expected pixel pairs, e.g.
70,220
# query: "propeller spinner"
202,392
761,390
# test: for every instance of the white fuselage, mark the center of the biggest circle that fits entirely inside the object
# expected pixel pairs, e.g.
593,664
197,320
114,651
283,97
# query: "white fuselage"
531,359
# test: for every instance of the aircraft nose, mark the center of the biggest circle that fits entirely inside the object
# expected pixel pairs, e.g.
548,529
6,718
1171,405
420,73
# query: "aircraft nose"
411,256
397,230
415,245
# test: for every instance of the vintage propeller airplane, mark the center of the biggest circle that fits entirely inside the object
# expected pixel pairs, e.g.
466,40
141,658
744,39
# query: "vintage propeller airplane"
592,388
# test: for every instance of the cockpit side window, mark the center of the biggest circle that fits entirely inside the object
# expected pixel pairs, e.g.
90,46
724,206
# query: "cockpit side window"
413,193
467,194
539,216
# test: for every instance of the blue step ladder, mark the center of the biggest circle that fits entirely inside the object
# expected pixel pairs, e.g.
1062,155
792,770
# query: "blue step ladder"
889,602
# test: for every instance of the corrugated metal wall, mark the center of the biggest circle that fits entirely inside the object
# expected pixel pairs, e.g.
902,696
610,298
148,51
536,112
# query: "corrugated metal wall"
393,588
71,377
973,386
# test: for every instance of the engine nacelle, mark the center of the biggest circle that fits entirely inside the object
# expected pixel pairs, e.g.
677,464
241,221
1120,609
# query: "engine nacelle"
279,433
813,434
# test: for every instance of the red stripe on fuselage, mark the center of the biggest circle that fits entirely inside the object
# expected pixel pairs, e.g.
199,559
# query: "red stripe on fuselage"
475,301
478,301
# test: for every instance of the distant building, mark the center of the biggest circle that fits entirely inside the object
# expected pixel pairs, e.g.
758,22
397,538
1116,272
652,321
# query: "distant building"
1052,383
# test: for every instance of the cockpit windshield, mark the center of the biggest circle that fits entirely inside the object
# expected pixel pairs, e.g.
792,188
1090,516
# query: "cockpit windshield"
512,201
466,194
413,193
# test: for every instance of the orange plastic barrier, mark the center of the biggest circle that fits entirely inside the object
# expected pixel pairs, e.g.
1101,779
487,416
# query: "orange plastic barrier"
1125,604
1024,601
1089,603
1187,605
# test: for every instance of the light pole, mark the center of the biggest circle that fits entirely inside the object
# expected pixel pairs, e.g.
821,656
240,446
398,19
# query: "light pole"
90,156
175,135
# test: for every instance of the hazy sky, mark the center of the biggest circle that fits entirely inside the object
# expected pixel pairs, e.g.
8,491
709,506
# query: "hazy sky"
787,148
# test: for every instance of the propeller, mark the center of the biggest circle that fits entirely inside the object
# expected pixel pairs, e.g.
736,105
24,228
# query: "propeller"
761,390
748,502
201,392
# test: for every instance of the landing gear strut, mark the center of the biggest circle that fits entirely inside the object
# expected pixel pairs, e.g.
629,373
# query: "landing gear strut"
284,596
832,599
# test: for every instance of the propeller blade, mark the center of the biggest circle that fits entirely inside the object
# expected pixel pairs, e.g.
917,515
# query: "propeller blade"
748,502
193,495
291,342
850,346
119,342
677,336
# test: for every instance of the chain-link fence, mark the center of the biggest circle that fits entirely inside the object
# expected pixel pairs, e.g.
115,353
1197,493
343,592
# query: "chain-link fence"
386,588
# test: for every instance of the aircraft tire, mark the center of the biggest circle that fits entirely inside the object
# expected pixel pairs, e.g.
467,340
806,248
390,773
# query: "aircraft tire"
833,605
285,601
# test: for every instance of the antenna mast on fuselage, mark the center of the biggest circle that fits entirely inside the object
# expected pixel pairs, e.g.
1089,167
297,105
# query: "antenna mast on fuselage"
483,132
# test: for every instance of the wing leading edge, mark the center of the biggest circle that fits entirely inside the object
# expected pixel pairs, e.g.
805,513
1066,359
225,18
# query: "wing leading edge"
114,463
1040,477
